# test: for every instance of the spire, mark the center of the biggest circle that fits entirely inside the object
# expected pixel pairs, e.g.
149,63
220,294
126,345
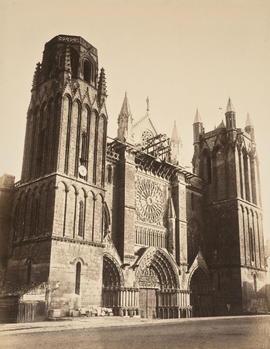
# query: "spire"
197,117
230,116
176,145
197,127
125,122
125,110
249,128
175,138
249,122
230,107
102,89
147,106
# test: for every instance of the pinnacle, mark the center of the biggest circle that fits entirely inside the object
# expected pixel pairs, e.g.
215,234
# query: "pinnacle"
125,106
197,117
230,107
221,125
36,75
102,88
175,138
249,121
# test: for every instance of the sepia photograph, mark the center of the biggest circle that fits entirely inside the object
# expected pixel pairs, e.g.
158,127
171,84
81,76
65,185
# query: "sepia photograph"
134,164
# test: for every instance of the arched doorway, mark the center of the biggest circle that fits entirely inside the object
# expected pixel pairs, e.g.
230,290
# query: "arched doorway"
158,282
200,294
112,280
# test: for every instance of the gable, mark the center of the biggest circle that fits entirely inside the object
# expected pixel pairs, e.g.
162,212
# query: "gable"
143,129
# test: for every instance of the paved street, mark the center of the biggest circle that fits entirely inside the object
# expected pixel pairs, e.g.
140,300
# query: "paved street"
213,333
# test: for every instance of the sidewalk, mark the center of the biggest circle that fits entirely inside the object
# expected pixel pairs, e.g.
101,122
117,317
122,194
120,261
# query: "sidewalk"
97,322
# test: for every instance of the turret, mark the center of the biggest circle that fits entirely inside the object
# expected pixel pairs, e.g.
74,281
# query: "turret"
125,122
197,127
102,89
176,144
230,116
249,128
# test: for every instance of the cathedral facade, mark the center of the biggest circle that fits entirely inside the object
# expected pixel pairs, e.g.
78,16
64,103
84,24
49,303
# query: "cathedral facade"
119,224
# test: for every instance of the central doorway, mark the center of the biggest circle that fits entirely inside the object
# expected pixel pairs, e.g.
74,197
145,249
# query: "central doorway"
148,303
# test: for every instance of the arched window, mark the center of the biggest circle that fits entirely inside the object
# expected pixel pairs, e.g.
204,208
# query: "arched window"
109,174
251,244
28,271
16,220
74,62
81,219
84,149
41,150
246,176
255,283
34,216
78,278
206,167
87,71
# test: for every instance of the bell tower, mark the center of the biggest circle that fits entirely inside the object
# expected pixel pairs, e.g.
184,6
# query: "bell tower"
59,201
66,95
227,160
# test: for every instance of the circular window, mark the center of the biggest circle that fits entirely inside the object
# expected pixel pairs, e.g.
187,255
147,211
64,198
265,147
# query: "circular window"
146,135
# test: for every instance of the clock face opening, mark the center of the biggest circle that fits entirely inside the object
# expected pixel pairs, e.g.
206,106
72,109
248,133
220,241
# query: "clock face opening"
82,171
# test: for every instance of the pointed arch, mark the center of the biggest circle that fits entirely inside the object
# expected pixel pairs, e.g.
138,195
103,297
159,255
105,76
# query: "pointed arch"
74,60
163,264
200,297
98,218
56,136
71,212
29,271
49,136
88,71
40,139
106,220
246,173
90,216
112,273
78,278
33,146
92,146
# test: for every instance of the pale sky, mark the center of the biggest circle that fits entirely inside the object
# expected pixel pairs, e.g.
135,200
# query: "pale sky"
182,54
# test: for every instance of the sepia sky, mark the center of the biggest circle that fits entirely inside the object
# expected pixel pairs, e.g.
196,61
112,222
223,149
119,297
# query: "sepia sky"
182,54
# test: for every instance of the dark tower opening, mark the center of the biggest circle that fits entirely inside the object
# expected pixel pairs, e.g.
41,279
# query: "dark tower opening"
200,297
74,57
87,71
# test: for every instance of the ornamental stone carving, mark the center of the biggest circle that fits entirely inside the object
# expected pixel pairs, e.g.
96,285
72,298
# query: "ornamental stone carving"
149,201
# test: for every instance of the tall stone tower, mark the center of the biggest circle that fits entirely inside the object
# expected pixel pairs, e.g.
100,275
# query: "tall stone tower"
227,160
59,202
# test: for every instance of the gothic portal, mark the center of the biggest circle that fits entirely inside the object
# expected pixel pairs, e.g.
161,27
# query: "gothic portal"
119,224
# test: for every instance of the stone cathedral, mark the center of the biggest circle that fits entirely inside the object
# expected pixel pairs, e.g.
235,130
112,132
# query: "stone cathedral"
100,225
